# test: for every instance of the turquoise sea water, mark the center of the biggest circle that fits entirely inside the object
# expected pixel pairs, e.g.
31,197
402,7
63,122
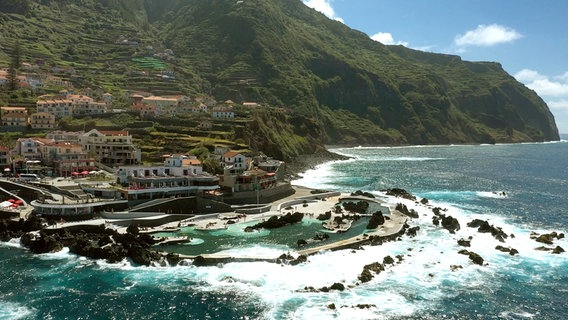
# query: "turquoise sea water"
469,181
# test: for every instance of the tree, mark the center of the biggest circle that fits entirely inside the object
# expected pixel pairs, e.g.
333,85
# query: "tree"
15,63
200,152
212,165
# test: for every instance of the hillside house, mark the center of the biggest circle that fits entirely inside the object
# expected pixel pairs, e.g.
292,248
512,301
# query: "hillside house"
66,158
15,118
154,106
67,136
85,105
222,112
145,111
58,106
30,148
235,162
42,120
111,148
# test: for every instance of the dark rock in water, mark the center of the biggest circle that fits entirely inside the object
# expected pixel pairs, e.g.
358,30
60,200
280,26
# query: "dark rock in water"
284,258
511,251
11,229
173,258
436,220
411,232
464,243
450,223
324,216
545,238
484,227
424,201
331,306
365,306
558,250
365,276
388,260
301,242
377,219
474,257
279,221
404,210
368,270
301,259
337,286
363,194
199,261
455,267
41,244
400,193
321,237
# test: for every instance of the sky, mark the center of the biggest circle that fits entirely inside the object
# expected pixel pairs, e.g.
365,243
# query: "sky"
528,37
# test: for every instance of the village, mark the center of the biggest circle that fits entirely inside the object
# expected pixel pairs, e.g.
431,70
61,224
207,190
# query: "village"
81,178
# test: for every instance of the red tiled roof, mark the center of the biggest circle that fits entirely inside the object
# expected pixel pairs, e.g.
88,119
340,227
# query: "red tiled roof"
229,154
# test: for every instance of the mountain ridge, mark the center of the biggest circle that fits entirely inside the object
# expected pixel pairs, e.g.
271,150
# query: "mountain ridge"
351,89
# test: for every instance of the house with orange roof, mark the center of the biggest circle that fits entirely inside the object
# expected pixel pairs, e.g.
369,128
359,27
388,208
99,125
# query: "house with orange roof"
66,157
111,148
59,106
85,105
15,118
42,120
30,148
235,161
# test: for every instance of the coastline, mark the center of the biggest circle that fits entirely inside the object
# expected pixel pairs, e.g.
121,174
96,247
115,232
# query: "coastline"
303,163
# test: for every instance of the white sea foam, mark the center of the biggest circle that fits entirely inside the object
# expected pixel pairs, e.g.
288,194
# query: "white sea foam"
59,255
493,194
320,177
419,282
12,310
195,241
12,243
516,315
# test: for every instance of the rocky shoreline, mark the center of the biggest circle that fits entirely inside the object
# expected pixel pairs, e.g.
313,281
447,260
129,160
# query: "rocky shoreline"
100,242
303,163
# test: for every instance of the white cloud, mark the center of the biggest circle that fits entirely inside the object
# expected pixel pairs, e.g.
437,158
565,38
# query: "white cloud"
528,76
323,6
544,85
554,90
387,38
487,35
559,105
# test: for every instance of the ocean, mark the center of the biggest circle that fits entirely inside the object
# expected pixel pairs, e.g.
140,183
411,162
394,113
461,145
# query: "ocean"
521,188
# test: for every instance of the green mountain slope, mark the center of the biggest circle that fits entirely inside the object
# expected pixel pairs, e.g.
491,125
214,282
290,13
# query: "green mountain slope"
350,89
